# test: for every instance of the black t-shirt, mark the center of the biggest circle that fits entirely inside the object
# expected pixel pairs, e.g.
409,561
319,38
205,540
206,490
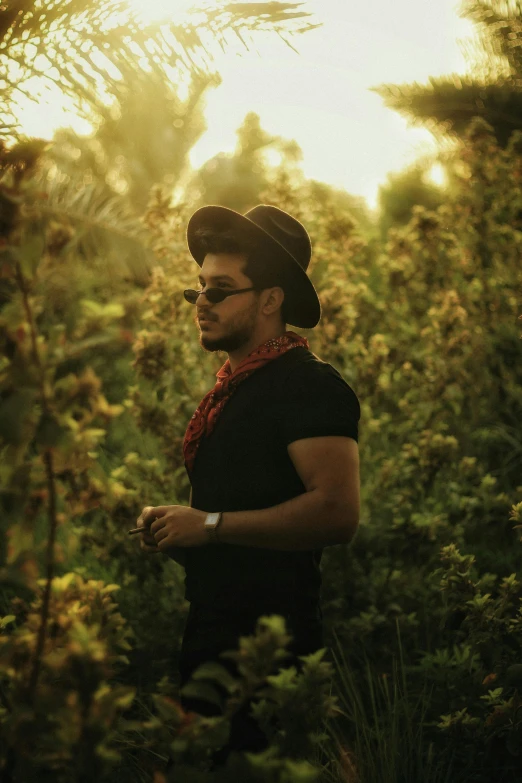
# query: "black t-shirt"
244,465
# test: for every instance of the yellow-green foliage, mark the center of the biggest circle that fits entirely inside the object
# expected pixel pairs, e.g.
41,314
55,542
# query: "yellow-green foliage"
70,718
425,329
63,699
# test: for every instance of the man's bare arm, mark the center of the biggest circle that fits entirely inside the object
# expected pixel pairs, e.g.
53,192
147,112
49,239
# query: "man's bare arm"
326,514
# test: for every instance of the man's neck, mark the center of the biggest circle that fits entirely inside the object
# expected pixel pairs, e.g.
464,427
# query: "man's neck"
236,357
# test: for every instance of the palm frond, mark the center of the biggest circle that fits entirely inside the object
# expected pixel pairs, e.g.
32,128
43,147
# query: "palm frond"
448,104
94,48
104,226
89,207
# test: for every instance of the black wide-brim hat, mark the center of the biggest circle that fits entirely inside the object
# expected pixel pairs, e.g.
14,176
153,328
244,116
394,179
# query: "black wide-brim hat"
285,240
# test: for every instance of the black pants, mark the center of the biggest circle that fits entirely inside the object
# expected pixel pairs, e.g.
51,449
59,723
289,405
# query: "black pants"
210,632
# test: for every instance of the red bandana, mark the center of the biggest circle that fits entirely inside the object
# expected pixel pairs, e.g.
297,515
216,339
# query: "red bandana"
204,419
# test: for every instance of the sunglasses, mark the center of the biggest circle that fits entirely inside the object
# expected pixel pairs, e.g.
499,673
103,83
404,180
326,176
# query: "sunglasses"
214,295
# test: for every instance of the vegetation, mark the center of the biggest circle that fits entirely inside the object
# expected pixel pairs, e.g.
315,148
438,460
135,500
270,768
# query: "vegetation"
447,105
100,370
402,192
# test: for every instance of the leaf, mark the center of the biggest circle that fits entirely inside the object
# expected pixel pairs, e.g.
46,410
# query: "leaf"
107,754
168,709
285,679
110,311
9,618
92,435
124,697
478,601
203,691
301,772
61,583
492,697
84,635
314,658
110,589
212,670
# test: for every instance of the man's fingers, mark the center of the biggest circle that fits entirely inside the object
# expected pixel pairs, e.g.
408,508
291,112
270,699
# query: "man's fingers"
144,511
148,537
140,521
147,540
149,548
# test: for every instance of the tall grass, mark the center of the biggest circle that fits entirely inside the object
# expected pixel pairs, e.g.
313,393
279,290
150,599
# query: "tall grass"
380,734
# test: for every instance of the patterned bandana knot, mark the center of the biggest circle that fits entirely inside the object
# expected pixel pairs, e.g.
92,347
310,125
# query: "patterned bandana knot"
209,409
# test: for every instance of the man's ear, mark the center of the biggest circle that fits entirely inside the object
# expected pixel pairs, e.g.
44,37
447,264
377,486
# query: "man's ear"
275,298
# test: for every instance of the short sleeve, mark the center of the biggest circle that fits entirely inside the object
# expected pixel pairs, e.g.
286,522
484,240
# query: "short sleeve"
316,401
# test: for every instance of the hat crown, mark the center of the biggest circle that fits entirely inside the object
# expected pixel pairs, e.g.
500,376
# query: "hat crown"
285,229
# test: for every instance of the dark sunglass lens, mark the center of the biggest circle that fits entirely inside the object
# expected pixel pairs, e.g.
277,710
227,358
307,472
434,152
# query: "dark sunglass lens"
191,296
215,295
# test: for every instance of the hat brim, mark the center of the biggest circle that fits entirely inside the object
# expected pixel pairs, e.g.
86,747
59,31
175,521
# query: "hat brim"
302,305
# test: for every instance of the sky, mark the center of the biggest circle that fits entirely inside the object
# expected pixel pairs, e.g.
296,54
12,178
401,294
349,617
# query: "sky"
321,95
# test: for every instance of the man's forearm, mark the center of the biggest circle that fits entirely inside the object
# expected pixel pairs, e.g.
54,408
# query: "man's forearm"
308,521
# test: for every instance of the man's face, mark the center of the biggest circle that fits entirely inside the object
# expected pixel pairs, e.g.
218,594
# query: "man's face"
230,324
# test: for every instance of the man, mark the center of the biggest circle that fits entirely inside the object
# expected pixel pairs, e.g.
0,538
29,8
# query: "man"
271,451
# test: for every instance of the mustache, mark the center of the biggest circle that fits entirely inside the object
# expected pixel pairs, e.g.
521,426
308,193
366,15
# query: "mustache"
204,318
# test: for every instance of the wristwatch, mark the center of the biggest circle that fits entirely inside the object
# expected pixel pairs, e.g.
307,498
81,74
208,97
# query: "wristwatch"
211,524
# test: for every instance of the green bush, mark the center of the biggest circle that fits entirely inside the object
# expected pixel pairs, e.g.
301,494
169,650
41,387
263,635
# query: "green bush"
422,609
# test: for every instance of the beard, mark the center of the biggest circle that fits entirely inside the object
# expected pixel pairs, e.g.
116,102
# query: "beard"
237,333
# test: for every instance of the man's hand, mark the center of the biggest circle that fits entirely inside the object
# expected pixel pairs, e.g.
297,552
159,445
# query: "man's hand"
172,527
147,540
